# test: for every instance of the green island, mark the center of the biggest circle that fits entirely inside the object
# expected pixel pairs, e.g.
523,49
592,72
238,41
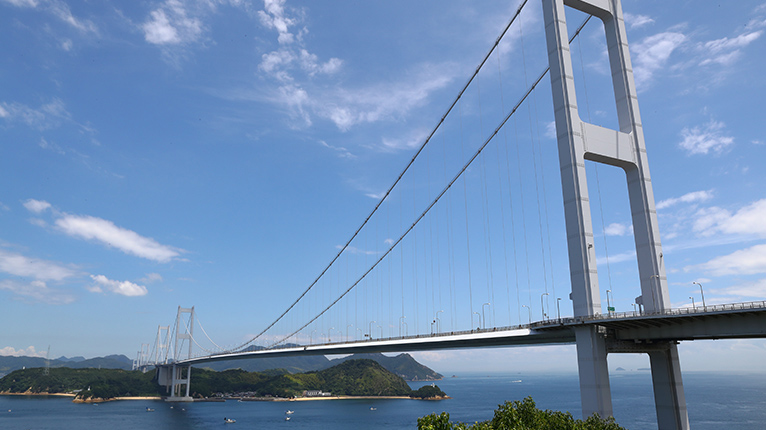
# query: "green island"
521,415
352,378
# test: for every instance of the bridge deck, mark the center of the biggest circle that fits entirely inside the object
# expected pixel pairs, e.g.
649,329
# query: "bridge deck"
736,321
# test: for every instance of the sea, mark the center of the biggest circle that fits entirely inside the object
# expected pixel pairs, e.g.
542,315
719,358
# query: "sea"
715,401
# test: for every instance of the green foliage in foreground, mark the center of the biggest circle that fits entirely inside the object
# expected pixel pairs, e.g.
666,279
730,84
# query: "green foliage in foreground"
521,415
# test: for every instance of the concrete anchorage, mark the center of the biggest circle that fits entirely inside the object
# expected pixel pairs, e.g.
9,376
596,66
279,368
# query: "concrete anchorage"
579,141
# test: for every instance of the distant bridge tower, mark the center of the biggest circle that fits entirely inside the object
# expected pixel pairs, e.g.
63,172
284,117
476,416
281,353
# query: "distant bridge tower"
579,141
177,377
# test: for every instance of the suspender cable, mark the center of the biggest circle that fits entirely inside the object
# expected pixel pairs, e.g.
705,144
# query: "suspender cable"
398,179
440,195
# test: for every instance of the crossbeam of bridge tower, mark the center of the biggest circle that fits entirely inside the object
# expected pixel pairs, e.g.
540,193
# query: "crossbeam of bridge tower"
579,141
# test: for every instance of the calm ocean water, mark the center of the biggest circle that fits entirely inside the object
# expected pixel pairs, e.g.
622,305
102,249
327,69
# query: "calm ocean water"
715,401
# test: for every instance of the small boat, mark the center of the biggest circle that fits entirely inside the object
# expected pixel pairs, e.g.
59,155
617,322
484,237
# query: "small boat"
229,420
516,381
287,418
289,412
149,410
373,409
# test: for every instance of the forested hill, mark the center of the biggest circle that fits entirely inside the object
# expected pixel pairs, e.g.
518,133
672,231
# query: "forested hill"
350,378
403,365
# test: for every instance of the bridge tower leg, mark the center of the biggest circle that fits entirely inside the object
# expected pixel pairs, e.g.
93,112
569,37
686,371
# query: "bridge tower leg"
177,377
579,141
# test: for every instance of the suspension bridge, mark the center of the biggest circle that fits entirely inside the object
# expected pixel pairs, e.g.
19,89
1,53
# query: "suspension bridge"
466,248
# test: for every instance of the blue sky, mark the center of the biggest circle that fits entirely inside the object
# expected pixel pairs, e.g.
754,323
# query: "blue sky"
218,154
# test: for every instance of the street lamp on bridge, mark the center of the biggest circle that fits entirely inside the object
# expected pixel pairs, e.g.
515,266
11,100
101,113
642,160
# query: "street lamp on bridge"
311,337
542,305
693,305
370,333
558,308
478,315
530,312
608,303
350,325
328,334
483,318
702,293
438,322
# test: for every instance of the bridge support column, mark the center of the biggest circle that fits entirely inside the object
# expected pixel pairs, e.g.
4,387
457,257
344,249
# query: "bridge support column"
669,399
595,393
177,380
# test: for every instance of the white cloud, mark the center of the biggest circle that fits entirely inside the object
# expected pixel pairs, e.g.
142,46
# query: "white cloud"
60,10
748,289
637,21
41,270
104,231
151,277
125,288
749,220
36,206
748,261
725,51
652,53
617,229
274,17
22,3
619,258
37,291
698,140
341,151
46,116
693,197
412,140
170,24
355,250
29,352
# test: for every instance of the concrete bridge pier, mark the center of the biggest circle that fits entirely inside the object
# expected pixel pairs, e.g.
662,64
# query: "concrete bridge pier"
669,398
177,381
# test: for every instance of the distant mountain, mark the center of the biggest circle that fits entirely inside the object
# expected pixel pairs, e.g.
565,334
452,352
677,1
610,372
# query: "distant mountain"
8,364
291,364
402,365
73,359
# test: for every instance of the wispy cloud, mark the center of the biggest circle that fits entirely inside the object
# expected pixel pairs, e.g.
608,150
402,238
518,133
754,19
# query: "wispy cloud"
355,250
41,270
652,54
170,24
617,229
747,261
60,10
705,139
748,220
124,288
693,197
339,150
726,51
37,291
107,233
36,206
637,20
747,289
46,116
